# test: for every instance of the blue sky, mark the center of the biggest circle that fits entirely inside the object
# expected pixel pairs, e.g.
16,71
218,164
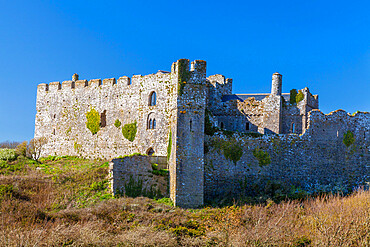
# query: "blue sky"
324,45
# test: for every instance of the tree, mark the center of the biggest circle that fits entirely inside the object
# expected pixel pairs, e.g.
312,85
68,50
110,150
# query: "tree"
35,147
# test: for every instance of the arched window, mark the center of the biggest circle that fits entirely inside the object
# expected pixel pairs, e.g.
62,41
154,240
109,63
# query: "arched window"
222,125
151,122
247,126
152,99
150,152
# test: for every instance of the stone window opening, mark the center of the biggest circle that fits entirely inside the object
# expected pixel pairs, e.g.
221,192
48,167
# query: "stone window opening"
150,152
103,119
151,124
222,125
55,115
191,125
293,128
53,131
247,126
152,99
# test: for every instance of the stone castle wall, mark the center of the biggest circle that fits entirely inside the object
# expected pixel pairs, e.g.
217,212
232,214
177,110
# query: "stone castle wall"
62,108
316,161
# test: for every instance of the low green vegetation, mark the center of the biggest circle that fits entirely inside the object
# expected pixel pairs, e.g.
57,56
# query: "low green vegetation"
262,156
159,172
348,138
7,154
129,131
135,188
93,121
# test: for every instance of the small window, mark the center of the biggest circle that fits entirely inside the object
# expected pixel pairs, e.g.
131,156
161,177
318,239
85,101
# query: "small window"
53,131
150,152
103,119
152,99
154,124
222,125
191,125
247,126
293,128
55,115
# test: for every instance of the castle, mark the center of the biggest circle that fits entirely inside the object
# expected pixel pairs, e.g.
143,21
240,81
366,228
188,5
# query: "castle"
175,114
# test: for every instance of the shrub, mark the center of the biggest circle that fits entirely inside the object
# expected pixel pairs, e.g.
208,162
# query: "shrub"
8,154
35,147
129,131
93,121
293,95
299,97
348,138
21,149
117,123
208,127
262,156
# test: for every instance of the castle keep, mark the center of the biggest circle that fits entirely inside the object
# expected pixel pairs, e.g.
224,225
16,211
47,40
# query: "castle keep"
190,122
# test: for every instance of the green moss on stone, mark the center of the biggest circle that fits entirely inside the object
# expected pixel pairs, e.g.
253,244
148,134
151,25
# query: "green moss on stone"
184,75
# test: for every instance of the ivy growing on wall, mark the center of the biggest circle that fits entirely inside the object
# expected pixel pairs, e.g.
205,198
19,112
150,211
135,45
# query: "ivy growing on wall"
93,121
129,131
348,138
293,95
117,123
262,156
184,74
299,97
169,147
233,151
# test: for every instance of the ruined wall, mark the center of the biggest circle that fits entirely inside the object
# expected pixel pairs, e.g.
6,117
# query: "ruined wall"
136,173
316,161
61,115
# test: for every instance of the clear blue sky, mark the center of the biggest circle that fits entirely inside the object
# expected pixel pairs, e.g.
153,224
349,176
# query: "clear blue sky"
324,45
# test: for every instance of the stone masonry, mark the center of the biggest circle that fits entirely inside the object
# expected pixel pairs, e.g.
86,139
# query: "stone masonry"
164,114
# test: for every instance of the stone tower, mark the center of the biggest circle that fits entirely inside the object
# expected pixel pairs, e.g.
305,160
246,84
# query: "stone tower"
276,86
187,157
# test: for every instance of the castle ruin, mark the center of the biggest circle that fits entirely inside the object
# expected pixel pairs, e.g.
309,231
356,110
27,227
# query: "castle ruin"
182,114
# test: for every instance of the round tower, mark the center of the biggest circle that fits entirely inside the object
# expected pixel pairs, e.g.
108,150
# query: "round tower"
276,84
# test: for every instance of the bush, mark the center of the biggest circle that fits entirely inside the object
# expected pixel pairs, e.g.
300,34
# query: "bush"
93,121
129,131
35,147
233,152
7,154
21,149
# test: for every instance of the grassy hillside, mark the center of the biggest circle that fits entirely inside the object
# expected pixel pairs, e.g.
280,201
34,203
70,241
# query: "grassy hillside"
65,201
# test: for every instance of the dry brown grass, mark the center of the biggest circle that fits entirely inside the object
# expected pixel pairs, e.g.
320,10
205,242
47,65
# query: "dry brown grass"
57,208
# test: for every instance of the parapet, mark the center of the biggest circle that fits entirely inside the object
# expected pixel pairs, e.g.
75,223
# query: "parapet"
198,68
